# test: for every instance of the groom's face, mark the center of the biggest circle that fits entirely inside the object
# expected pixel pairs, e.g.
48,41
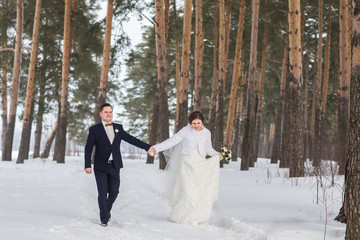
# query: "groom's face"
106,114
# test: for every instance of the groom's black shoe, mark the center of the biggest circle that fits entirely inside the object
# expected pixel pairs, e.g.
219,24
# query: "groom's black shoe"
103,224
109,216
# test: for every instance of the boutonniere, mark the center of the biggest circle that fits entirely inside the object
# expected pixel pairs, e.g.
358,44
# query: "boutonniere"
116,131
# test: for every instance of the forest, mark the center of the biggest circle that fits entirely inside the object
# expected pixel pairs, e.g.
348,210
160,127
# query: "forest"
275,79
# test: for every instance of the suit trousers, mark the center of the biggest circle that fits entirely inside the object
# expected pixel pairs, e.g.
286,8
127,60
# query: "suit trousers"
108,183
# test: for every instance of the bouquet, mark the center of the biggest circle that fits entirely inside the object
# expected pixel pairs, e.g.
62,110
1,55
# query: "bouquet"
226,153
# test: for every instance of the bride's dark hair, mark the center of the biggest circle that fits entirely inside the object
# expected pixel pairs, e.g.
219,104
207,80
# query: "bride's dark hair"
196,115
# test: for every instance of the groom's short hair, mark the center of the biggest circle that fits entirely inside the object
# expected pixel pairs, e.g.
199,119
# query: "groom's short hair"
105,105
196,115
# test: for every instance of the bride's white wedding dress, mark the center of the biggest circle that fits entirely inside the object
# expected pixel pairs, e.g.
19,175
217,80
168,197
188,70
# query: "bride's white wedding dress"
195,179
196,188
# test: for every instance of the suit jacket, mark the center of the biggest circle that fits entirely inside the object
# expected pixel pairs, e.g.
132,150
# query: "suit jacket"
103,148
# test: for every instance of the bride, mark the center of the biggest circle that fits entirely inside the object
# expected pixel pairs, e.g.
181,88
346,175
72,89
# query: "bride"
196,179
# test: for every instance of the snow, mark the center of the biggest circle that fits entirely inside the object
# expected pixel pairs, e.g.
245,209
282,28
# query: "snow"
41,199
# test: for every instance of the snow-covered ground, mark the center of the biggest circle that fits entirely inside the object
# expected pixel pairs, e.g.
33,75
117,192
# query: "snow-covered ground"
44,200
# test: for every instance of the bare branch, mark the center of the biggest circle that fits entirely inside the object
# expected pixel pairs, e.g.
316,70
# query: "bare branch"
7,49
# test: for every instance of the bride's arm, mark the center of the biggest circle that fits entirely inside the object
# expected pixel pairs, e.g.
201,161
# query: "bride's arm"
175,139
209,149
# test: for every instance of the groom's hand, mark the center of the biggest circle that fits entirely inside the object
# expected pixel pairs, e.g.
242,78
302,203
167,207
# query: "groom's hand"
88,170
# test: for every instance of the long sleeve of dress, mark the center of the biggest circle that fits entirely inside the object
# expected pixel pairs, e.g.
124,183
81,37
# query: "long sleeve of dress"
175,139
209,149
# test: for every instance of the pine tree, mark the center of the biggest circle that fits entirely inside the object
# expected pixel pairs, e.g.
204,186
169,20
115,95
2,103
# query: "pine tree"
26,129
8,145
248,144
60,138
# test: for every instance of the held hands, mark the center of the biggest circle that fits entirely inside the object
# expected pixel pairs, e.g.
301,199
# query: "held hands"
88,170
151,151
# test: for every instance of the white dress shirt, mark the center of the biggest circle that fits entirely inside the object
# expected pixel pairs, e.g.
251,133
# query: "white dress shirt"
191,139
110,133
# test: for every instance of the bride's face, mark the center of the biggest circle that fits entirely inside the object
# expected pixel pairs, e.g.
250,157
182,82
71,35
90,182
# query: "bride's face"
196,124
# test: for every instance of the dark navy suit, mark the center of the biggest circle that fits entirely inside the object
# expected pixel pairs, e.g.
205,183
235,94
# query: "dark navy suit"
107,175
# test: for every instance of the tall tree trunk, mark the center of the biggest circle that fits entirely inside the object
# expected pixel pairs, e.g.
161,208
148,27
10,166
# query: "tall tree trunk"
236,74
312,123
7,150
199,52
224,30
154,122
166,18
177,69
162,74
106,59
212,111
4,103
342,131
261,85
271,140
26,129
317,136
39,116
352,176
51,138
248,156
45,153
306,91
185,65
295,59
221,79
275,153
6,8
286,147
236,146
264,143
60,138
326,80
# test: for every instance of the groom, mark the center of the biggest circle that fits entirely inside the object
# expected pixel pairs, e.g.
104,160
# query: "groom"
106,137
